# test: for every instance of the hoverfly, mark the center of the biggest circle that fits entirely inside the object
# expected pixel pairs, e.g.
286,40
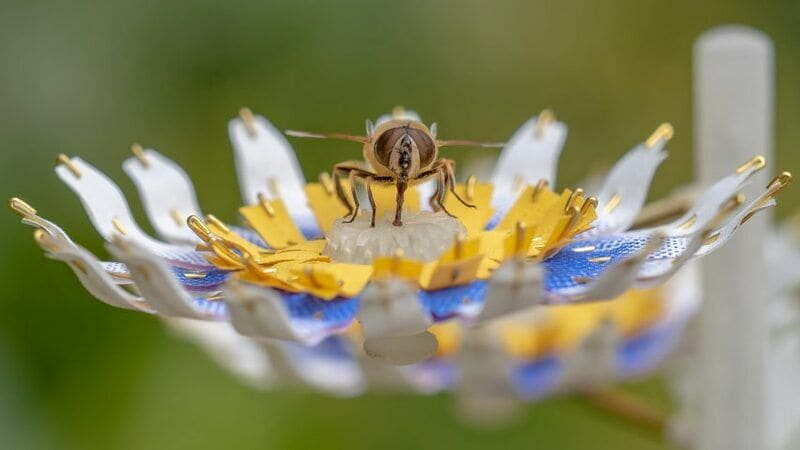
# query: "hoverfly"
401,151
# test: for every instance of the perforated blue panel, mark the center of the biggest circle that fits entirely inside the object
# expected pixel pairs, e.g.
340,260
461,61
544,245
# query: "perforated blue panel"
180,257
330,347
215,308
336,312
562,270
537,378
494,221
435,374
212,280
444,303
311,232
646,351
566,265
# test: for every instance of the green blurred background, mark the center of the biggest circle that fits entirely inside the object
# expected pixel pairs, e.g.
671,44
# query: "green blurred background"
89,78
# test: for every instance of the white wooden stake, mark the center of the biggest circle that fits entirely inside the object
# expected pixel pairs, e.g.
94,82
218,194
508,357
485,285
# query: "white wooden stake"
733,113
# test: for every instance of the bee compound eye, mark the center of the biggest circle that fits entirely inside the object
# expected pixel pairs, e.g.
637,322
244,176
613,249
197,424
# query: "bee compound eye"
386,143
425,146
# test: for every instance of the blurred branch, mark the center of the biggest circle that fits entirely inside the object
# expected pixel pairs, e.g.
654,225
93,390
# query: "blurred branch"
629,407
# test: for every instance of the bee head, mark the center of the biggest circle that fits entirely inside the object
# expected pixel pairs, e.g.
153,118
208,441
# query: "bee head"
405,150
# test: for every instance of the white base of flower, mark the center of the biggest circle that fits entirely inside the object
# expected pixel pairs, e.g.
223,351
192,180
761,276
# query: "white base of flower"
423,236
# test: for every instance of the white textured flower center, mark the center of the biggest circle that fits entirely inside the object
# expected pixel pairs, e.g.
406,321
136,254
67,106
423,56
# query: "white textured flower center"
423,236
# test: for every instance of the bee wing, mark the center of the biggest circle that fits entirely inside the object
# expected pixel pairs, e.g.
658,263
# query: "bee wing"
339,136
447,143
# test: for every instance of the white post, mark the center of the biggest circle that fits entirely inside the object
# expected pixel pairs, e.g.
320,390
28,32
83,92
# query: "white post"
733,113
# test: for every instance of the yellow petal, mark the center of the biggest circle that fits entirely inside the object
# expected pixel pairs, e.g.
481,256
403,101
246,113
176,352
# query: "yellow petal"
272,222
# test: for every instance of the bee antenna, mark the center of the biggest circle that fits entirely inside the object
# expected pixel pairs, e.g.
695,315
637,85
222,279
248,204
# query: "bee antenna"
459,142
338,136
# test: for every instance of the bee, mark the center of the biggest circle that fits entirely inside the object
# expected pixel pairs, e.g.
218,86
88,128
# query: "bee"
401,151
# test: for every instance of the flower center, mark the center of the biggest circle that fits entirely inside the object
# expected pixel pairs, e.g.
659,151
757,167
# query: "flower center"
424,236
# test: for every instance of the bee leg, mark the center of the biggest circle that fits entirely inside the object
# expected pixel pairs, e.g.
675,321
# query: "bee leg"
371,201
441,190
337,182
351,178
451,181
434,200
401,196
434,205
352,170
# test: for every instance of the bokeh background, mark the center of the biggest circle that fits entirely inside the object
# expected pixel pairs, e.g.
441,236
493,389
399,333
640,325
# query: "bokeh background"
89,78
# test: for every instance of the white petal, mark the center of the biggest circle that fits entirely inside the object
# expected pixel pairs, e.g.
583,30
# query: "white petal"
166,192
266,157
